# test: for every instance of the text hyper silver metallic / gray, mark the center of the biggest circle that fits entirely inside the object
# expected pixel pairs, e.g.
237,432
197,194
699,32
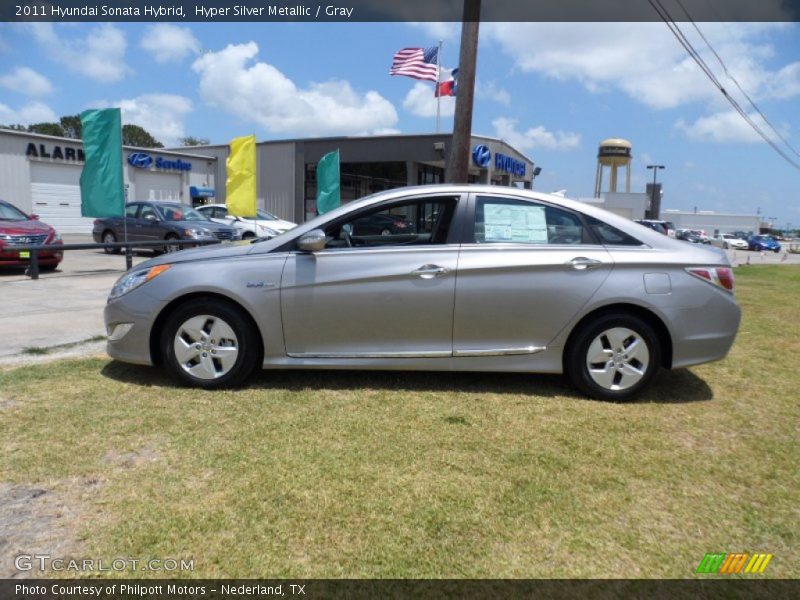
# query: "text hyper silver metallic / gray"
449,278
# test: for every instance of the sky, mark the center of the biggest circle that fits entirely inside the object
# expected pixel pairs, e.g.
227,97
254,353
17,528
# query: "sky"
551,90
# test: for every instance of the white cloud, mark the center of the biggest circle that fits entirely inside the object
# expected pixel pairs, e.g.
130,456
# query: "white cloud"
33,112
489,90
727,126
257,92
440,31
645,60
26,81
420,101
169,43
162,115
535,137
100,55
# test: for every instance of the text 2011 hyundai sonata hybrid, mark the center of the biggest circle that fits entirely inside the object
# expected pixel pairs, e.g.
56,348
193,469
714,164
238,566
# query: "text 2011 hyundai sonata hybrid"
484,278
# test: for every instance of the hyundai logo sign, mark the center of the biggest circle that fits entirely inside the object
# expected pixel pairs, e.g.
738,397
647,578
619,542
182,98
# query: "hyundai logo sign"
140,160
481,156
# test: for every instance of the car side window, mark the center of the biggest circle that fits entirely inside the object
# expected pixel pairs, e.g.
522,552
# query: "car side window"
131,210
512,221
147,211
411,223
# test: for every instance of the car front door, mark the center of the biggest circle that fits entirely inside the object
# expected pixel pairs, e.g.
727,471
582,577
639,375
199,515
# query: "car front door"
150,224
375,296
528,270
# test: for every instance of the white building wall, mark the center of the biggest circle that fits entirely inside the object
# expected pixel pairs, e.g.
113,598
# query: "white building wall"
712,222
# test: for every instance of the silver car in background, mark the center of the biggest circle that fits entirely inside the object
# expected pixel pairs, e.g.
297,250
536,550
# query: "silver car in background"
465,278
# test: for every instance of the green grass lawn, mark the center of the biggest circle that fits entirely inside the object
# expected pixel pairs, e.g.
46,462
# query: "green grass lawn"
333,474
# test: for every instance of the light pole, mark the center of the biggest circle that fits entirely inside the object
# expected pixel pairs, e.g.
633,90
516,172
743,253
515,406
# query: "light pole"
655,207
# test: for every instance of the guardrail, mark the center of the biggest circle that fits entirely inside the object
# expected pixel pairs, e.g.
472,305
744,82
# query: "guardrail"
33,269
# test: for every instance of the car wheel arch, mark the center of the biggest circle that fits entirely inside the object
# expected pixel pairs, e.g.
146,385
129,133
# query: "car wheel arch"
163,316
643,313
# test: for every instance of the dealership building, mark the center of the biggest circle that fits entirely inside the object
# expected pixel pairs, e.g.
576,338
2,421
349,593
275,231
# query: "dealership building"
40,174
286,169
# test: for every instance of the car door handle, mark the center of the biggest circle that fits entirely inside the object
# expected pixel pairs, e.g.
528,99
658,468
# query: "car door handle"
581,263
430,271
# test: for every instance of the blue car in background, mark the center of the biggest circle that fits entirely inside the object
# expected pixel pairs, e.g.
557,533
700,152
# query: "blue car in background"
763,243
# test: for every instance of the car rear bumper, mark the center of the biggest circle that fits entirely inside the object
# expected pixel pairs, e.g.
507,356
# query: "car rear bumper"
706,333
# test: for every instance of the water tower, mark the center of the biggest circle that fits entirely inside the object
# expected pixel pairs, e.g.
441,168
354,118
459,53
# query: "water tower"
613,153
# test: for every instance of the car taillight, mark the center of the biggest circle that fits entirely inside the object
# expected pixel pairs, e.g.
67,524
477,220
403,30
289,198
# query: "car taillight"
719,276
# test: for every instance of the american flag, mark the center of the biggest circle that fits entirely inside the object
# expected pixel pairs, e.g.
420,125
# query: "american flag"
419,63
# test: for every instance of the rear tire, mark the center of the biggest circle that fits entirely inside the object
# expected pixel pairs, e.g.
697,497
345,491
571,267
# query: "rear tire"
613,357
110,238
209,343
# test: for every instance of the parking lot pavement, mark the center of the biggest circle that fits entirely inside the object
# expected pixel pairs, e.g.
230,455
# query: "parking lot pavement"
62,307
746,257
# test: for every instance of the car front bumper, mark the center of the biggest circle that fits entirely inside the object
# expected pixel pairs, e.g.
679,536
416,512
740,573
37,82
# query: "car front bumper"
133,314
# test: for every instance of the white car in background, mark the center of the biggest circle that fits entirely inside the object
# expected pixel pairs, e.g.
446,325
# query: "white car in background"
264,225
728,240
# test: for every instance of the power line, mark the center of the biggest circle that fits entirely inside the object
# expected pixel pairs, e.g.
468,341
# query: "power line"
732,78
687,45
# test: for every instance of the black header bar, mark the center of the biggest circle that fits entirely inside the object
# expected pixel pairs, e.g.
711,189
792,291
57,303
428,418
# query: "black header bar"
396,10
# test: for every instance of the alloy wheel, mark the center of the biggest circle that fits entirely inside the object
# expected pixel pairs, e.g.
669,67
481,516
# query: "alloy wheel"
206,347
617,358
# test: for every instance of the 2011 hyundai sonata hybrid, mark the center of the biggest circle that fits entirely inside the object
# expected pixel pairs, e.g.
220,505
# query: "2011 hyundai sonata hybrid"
488,279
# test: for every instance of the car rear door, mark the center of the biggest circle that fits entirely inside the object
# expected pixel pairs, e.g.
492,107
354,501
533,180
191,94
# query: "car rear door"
375,296
527,269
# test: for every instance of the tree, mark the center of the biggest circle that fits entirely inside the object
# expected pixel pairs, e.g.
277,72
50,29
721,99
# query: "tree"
133,135
193,141
47,129
72,126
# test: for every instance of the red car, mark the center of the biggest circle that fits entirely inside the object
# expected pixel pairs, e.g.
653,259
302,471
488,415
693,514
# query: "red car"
20,229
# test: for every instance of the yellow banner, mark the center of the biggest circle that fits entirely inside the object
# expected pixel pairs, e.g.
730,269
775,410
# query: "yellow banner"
240,188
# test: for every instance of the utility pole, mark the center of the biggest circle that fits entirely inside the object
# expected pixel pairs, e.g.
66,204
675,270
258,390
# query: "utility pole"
655,203
457,168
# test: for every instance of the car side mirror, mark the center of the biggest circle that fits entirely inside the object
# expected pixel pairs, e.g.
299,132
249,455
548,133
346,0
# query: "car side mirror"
312,241
150,218
35,217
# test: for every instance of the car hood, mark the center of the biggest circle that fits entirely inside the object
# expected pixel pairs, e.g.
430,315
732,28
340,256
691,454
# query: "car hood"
24,227
211,252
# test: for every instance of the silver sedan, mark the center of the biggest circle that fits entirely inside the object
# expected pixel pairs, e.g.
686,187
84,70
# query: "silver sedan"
438,278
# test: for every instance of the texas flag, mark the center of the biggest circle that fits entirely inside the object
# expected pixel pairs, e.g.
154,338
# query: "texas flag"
448,86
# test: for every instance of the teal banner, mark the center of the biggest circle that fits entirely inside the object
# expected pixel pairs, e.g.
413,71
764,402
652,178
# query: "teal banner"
328,196
102,187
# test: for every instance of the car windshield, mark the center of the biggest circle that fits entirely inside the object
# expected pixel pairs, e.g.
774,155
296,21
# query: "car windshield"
262,214
11,213
179,212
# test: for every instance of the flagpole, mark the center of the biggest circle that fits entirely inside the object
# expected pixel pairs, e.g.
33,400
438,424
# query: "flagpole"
436,90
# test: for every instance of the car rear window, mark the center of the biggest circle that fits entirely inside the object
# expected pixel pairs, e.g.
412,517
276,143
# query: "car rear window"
610,235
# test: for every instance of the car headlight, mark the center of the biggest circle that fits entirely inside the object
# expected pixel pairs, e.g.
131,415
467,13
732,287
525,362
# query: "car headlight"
131,281
198,232
56,238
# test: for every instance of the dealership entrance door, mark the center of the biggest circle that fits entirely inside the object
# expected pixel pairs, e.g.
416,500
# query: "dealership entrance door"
153,185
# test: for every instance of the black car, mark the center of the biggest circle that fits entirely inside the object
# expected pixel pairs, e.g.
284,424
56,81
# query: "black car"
688,236
152,221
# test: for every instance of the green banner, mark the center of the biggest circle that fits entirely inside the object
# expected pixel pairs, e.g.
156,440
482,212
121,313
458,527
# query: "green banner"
328,196
102,187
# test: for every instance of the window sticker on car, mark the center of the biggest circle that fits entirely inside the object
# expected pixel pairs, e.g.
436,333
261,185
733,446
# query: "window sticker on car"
515,223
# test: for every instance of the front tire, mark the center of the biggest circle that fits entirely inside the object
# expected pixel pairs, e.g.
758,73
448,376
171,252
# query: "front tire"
169,248
613,357
209,343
